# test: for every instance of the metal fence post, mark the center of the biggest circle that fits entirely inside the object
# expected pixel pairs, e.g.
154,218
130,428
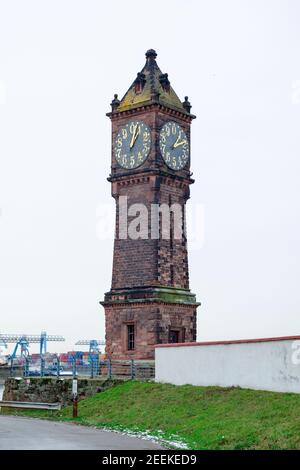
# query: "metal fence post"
109,368
11,366
97,365
42,366
74,367
26,367
92,368
132,369
58,366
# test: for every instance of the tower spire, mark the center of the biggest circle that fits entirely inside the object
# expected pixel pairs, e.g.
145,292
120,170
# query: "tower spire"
150,86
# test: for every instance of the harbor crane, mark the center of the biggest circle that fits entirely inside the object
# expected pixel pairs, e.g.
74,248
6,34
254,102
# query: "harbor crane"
94,348
92,343
22,342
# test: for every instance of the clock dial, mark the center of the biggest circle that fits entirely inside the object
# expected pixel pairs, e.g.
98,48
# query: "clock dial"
174,145
132,145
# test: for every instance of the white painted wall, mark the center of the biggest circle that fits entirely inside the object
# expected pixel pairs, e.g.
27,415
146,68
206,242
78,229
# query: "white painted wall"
267,365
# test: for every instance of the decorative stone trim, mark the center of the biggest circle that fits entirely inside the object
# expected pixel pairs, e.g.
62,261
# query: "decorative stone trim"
151,107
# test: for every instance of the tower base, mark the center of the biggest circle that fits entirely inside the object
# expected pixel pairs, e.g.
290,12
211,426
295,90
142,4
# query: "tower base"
138,319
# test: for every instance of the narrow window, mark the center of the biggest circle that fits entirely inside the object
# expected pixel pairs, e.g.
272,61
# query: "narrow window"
130,337
174,336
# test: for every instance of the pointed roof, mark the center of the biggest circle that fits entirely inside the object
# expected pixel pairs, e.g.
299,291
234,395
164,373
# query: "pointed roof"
150,86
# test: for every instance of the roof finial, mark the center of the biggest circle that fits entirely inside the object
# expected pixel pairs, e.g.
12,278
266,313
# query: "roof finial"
115,103
151,54
186,104
140,82
165,82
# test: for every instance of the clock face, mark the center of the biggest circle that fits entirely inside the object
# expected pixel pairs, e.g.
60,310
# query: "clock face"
132,145
174,145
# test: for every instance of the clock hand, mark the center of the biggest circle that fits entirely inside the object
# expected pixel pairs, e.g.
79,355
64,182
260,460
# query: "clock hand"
176,141
177,144
134,136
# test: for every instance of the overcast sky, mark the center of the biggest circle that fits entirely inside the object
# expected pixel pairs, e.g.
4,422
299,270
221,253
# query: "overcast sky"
60,64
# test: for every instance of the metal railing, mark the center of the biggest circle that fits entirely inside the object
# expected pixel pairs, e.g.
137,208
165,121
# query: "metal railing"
30,405
94,368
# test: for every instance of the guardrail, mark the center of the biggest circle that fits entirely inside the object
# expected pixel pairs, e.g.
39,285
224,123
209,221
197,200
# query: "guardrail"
33,405
45,367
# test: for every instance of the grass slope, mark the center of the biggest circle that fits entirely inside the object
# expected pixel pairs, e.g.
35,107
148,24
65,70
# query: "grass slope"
201,417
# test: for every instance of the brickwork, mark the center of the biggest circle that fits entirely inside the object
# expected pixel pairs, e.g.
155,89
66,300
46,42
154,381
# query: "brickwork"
152,325
146,262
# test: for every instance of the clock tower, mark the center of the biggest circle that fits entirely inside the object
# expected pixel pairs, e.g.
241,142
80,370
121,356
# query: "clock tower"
150,301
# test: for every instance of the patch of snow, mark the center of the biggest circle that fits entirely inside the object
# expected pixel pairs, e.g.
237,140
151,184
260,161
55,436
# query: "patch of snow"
174,440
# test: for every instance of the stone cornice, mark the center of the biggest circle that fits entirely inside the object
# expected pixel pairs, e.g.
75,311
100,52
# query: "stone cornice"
143,176
139,109
151,295
136,302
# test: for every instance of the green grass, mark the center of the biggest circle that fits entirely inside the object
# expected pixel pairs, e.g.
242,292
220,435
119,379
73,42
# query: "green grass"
200,417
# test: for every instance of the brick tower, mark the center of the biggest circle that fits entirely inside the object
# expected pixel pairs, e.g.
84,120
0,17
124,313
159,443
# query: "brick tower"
150,301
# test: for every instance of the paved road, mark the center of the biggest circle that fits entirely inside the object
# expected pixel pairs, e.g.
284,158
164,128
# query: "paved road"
23,433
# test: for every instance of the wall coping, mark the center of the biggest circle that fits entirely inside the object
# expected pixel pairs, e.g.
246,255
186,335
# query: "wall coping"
233,341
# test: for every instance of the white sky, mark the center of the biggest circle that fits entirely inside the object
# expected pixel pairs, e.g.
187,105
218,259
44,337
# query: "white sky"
60,64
